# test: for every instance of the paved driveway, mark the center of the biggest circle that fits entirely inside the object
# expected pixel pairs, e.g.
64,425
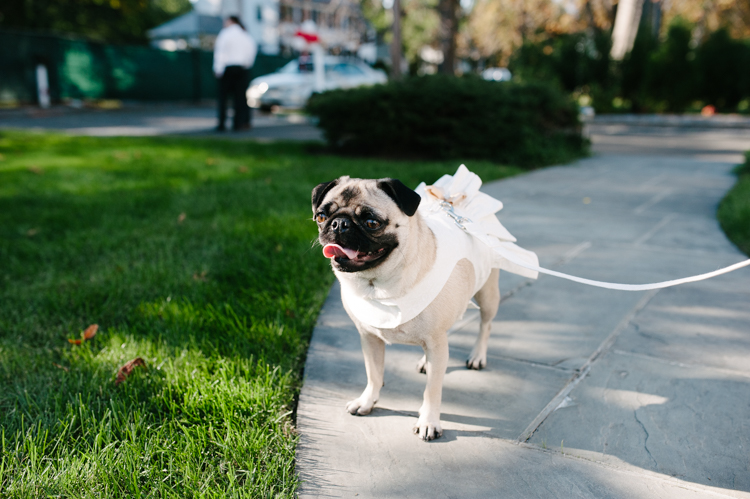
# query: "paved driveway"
157,119
588,392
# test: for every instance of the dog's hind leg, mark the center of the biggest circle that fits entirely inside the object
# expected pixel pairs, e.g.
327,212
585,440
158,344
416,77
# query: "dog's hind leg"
488,299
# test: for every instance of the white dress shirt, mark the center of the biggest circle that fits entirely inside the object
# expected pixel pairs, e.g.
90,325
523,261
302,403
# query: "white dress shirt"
234,47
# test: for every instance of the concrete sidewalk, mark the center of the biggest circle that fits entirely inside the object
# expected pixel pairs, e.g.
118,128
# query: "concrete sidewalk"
588,392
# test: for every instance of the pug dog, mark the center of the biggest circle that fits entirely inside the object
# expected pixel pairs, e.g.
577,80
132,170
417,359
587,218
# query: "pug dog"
380,245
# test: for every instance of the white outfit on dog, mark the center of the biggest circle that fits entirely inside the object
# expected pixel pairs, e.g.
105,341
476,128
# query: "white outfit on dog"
464,223
465,226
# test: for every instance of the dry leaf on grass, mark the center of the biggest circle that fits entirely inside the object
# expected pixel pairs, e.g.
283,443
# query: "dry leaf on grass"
125,370
60,367
32,232
89,333
181,218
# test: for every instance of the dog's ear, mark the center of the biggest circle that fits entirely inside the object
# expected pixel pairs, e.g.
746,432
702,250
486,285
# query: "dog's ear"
405,198
320,192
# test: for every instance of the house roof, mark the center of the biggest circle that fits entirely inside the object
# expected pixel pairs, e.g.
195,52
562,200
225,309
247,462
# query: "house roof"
187,25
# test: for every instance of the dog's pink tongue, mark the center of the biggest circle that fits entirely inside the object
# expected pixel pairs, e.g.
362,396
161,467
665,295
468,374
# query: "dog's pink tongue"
334,250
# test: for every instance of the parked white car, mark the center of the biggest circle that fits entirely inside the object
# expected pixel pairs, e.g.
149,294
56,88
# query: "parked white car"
292,85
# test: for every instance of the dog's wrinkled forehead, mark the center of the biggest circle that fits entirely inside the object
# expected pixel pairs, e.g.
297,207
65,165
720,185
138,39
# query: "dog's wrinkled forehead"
383,194
353,193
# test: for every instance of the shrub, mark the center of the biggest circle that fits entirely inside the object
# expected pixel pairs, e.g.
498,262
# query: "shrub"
633,71
574,60
734,209
671,76
723,68
447,117
675,74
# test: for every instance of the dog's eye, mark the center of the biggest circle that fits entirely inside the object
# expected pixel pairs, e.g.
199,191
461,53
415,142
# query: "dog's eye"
320,218
372,224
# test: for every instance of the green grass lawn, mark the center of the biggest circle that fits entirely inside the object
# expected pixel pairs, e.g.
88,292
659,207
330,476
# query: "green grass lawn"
734,210
195,255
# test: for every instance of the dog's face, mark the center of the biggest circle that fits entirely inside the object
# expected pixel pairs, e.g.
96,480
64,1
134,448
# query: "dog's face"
361,222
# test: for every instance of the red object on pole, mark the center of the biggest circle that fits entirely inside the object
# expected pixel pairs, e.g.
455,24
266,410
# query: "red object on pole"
309,37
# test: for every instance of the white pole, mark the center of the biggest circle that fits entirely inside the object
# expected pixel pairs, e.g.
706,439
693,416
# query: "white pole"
319,67
42,86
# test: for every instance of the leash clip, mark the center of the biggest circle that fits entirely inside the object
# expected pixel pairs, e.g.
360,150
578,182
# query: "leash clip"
457,219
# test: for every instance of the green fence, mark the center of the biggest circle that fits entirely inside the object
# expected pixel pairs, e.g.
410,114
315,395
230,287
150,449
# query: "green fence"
80,69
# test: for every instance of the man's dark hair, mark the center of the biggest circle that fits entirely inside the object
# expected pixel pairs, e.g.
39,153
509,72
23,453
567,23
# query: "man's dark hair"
236,20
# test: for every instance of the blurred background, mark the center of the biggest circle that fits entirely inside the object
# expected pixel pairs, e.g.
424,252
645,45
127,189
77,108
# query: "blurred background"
640,56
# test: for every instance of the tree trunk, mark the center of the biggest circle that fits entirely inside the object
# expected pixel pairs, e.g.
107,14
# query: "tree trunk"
448,10
627,19
396,43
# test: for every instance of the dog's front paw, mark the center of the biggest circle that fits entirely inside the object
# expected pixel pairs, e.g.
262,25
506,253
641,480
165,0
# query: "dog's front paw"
477,361
361,406
428,428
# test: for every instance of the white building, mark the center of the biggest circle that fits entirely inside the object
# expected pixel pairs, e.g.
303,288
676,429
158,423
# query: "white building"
261,20
339,24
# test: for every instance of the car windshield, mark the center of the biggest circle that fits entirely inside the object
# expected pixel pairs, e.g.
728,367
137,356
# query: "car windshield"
345,69
305,65
290,67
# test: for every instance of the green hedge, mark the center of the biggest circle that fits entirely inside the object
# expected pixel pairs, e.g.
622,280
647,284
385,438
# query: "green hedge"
446,117
734,210
671,74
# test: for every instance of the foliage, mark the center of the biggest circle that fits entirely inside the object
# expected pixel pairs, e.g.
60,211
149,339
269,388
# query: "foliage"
573,60
670,72
419,24
101,20
448,117
633,71
723,70
192,254
707,17
734,210
669,75
496,28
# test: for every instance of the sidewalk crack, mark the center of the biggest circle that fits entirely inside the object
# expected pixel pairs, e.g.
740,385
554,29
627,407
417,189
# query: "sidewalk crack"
645,443
604,347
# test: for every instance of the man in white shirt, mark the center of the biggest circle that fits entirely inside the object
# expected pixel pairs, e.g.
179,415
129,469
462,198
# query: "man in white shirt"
234,56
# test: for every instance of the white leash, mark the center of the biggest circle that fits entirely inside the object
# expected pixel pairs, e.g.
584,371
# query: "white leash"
629,287
468,226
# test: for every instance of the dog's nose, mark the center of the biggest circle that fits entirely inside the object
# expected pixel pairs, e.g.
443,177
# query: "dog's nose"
341,225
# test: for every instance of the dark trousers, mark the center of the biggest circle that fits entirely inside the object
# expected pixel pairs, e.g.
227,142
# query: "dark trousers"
233,83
